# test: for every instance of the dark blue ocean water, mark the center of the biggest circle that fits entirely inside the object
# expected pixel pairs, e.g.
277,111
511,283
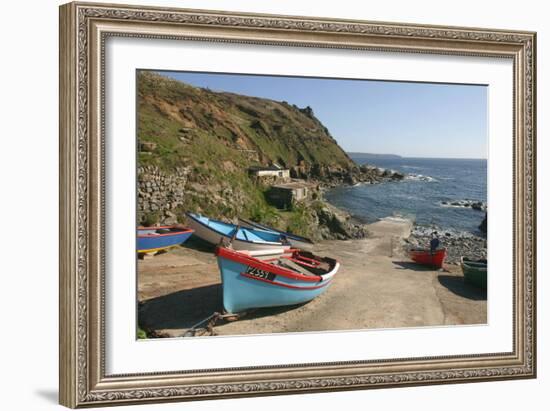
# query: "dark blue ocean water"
429,182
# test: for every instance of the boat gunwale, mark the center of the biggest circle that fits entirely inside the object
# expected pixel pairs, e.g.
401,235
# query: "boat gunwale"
427,250
474,264
281,244
475,267
174,233
242,258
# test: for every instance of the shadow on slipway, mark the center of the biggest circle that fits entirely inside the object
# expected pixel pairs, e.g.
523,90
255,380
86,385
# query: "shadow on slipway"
180,309
184,309
454,284
457,286
407,265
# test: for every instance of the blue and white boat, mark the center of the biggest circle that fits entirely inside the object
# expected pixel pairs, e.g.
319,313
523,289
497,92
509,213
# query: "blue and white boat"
296,241
291,278
153,239
241,238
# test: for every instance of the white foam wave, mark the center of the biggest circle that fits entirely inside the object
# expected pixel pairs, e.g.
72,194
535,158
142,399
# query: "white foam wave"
419,177
396,218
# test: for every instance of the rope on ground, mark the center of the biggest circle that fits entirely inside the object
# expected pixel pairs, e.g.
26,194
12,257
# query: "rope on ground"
210,322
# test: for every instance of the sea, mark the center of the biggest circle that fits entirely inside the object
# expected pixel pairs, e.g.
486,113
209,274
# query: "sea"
421,196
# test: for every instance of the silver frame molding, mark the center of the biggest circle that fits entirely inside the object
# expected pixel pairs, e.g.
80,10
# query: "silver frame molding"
84,27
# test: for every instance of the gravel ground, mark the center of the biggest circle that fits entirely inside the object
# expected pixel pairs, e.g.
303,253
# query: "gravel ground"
376,287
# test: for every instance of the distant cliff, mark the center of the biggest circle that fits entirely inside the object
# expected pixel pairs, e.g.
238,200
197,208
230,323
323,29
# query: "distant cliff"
371,156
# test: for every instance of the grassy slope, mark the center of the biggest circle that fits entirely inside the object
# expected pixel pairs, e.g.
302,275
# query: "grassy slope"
208,132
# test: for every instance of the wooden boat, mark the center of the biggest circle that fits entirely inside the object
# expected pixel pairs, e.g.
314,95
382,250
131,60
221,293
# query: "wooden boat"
296,241
427,257
475,271
153,239
217,232
291,278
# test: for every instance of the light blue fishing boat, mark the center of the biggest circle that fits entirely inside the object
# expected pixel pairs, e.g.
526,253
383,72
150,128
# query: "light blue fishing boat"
216,232
291,278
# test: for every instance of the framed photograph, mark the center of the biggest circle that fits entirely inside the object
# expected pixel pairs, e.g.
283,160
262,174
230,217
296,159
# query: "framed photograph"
261,205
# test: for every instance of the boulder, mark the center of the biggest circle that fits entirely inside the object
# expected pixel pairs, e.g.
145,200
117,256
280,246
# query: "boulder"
339,223
350,179
483,225
147,146
477,206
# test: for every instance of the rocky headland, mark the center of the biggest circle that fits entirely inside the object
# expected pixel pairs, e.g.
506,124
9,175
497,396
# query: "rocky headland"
334,176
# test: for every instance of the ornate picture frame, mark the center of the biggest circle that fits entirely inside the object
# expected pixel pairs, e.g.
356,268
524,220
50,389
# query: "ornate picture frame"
84,29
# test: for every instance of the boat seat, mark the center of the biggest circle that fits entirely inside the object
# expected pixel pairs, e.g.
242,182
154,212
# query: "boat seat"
290,265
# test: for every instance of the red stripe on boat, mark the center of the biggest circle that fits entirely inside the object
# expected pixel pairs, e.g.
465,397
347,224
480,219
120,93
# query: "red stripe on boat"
254,262
285,285
159,227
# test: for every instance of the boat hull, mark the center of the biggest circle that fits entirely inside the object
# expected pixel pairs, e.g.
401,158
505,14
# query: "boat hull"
248,284
214,237
429,258
148,241
475,273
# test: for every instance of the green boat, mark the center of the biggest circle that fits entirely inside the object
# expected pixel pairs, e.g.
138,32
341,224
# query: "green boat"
475,272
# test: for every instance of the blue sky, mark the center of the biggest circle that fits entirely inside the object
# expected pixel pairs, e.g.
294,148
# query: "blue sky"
408,119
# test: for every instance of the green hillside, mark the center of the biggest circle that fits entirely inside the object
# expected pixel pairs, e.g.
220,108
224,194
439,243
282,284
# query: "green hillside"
196,125
217,136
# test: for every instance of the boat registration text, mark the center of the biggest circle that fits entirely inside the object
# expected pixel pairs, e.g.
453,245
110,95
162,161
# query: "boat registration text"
257,273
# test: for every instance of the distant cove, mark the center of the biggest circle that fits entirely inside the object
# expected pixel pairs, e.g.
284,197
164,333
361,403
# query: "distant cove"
421,196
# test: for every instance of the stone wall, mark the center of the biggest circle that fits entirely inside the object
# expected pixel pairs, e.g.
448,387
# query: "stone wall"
160,193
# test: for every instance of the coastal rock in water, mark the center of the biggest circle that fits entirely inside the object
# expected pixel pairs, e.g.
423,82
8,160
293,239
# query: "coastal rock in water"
473,204
477,206
483,225
350,179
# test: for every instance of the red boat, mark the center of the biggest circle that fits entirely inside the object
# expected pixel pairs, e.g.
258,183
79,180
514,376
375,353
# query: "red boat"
427,257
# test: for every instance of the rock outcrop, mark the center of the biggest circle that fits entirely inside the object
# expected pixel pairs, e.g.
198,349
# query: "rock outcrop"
330,176
474,204
483,225
337,224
